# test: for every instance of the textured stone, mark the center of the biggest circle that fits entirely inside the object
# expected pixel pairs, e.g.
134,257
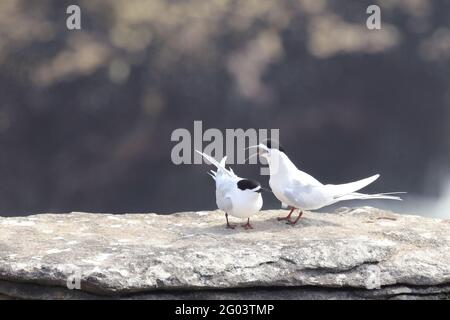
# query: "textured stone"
341,255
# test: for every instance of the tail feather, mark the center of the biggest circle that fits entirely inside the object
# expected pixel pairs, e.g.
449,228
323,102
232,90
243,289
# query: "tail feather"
219,165
212,174
363,196
211,160
223,161
339,190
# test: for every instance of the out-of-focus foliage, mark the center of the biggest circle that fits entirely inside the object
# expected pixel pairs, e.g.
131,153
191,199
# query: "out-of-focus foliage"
86,116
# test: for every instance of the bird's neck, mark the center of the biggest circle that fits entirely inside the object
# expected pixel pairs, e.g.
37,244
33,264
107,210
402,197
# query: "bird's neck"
281,165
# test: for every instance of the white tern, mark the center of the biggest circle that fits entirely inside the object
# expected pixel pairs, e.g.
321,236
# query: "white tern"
236,196
301,191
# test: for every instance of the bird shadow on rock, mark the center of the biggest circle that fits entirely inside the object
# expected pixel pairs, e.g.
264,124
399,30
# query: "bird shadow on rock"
314,222
270,224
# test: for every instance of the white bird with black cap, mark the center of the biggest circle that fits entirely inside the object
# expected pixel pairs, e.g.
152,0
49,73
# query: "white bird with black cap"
301,191
236,196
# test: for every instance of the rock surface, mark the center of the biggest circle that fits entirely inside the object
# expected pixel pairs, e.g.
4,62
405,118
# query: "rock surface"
353,253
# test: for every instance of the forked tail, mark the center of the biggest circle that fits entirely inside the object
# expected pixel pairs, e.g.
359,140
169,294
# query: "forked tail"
363,196
347,191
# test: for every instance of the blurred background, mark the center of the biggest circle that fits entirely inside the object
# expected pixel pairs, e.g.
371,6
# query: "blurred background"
86,116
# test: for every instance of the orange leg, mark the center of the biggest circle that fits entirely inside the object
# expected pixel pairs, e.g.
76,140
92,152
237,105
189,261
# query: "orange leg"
288,218
229,226
247,225
298,218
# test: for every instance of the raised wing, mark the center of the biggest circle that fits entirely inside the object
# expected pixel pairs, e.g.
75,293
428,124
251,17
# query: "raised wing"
221,169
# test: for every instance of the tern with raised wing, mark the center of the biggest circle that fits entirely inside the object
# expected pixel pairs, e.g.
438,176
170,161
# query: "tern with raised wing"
236,196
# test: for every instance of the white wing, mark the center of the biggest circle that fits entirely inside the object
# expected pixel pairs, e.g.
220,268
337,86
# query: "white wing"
306,179
221,170
223,199
316,197
303,196
225,182
339,190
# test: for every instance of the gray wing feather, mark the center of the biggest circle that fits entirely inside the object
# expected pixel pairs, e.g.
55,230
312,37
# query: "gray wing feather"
222,196
304,196
292,197
225,204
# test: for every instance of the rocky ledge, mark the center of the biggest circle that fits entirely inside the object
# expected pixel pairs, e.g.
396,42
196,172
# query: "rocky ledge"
361,253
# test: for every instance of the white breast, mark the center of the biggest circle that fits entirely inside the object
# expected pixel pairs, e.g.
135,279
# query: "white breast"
246,204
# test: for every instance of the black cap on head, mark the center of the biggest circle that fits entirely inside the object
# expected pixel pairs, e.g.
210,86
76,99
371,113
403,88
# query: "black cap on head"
245,184
273,144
